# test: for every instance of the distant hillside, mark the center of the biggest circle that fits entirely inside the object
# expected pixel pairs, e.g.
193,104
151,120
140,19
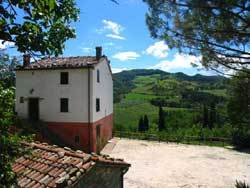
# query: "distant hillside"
123,81
186,100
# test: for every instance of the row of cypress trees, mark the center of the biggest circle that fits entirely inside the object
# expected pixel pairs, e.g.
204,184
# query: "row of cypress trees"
143,124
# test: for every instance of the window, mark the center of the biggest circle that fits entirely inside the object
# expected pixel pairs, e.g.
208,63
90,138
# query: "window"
77,139
21,100
64,105
98,75
64,78
97,104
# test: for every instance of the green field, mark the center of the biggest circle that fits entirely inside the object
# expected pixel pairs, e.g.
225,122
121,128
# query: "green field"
179,121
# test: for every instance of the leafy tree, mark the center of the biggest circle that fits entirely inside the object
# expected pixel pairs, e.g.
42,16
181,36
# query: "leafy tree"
212,116
43,28
146,123
205,116
7,66
10,145
141,125
239,101
239,109
161,124
218,31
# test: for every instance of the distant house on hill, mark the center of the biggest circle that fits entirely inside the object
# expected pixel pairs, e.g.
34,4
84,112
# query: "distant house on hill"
72,95
52,166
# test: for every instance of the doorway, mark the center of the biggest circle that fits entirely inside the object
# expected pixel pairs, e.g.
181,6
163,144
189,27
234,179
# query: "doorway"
33,109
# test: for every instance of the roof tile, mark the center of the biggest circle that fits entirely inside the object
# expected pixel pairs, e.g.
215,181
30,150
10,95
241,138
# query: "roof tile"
62,63
49,165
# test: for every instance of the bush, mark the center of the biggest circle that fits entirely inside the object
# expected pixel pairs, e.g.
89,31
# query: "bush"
241,138
240,184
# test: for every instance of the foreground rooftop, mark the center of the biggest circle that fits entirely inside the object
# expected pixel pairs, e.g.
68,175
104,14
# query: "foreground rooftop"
52,166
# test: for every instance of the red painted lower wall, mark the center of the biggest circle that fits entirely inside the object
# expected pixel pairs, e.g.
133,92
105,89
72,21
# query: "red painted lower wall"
87,133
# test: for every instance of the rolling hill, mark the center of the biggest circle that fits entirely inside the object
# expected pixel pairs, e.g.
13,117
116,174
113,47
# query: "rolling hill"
140,92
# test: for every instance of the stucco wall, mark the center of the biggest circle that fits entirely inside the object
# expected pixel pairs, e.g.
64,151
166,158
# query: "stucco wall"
46,85
86,132
106,127
102,90
67,125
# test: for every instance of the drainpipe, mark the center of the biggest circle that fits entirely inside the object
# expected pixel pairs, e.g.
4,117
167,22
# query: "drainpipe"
89,142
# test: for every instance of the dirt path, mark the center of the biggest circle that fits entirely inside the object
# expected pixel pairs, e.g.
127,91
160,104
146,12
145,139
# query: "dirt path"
160,165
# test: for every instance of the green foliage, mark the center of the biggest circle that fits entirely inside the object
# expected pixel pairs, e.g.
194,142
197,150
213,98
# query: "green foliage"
183,114
212,116
7,67
146,123
239,109
161,123
141,125
218,31
10,144
241,137
44,28
169,86
239,101
240,184
205,116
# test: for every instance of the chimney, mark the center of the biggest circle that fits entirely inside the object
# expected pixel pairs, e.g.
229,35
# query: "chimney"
26,60
98,52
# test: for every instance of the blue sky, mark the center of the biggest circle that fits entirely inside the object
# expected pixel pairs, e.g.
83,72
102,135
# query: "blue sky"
122,32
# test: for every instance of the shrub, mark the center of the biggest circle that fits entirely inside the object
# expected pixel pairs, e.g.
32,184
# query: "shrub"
241,138
240,184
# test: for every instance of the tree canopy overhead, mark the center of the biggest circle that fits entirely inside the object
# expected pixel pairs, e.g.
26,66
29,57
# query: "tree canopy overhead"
216,30
38,27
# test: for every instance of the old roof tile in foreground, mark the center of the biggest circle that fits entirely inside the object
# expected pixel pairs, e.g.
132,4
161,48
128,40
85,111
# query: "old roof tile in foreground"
51,166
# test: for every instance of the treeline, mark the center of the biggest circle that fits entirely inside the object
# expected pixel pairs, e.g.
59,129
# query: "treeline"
189,99
123,81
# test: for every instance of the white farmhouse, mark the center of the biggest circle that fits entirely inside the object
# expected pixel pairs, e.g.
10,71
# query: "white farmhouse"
72,95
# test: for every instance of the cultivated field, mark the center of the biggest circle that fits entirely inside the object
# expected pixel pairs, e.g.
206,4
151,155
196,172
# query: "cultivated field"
160,165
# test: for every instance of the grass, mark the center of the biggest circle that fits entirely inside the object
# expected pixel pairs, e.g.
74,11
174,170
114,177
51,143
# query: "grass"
127,116
139,97
180,122
160,137
218,92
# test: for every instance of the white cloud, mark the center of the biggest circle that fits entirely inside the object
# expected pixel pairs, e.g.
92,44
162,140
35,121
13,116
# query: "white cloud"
115,36
6,44
158,49
112,29
180,61
86,49
124,56
117,70
109,44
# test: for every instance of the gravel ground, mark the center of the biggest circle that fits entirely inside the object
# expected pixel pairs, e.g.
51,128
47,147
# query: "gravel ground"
160,165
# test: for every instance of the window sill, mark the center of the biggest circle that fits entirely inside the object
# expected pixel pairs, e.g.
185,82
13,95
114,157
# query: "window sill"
64,84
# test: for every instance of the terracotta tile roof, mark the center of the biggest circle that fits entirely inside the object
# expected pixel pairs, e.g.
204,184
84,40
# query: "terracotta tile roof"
62,63
52,166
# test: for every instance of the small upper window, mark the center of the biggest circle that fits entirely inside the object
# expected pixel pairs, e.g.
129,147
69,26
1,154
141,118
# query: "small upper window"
64,78
64,105
97,104
98,75
21,100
